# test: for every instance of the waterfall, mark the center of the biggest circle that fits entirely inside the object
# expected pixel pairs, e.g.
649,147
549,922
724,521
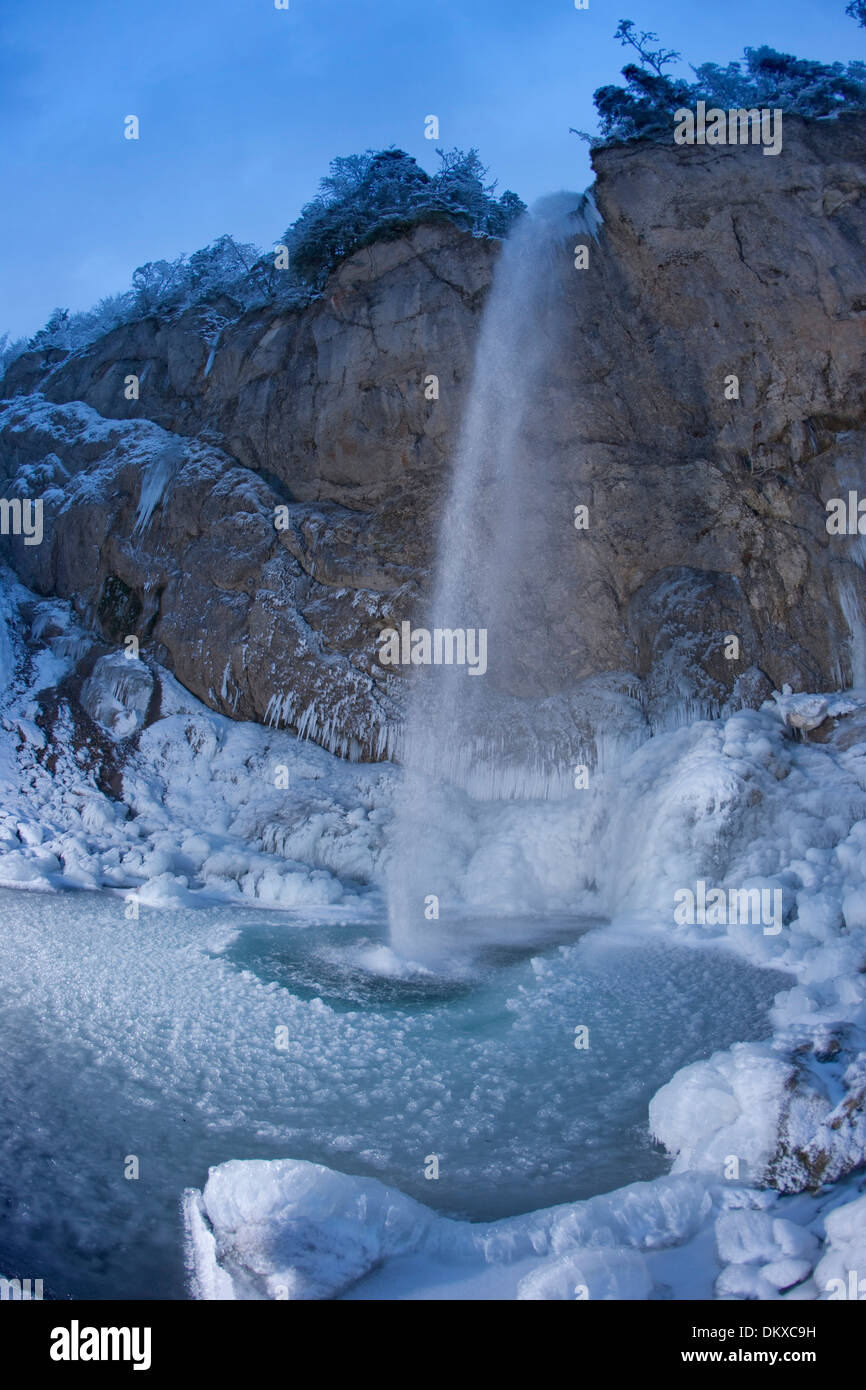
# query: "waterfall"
504,565
852,605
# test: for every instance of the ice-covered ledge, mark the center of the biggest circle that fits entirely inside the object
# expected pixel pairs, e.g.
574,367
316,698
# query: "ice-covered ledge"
294,1230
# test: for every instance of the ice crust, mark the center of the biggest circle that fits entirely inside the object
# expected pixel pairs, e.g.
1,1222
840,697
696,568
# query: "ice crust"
295,1230
740,802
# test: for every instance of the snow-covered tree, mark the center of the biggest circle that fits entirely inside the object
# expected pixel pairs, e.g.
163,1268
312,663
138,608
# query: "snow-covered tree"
383,193
157,284
363,197
56,333
10,349
645,105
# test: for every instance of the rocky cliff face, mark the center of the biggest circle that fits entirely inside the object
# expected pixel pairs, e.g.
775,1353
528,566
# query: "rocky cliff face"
163,526
711,512
706,513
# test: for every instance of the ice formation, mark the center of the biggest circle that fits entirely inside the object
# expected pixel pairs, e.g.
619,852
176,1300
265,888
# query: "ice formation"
239,818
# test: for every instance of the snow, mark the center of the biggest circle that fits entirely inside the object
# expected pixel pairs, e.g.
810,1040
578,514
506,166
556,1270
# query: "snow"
845,1251
118,693
728,1105
318,842
740,802
7,658
224,903
801,711
332,1229
296,1230
156,1034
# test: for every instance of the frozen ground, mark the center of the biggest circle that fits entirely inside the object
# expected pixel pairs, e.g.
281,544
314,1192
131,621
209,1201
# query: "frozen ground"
157,952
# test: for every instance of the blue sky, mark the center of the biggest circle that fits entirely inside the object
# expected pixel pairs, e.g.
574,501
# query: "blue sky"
242,106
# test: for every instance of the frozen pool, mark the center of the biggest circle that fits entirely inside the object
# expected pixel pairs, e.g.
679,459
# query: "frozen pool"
158,1038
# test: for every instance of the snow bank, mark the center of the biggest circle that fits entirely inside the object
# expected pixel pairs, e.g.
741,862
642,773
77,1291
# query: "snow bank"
285,824
295,1230
729,1106
291,1229
840,1274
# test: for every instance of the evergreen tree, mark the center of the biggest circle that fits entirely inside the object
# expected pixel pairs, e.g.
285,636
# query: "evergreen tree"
644,107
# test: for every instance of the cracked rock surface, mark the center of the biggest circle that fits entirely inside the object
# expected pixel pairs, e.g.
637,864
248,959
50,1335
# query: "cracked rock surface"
707,514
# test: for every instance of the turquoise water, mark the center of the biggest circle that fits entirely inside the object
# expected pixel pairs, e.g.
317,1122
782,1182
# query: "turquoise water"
158,1039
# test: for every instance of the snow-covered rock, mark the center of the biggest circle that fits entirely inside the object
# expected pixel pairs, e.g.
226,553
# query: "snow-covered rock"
118,693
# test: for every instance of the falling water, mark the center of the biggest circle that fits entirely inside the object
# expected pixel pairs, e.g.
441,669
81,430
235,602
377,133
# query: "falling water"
505,566
851,602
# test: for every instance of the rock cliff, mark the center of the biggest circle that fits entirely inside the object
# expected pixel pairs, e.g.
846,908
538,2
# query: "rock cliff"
706,508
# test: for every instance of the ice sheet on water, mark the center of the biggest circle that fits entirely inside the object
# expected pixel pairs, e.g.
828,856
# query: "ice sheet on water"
734,801
154,1037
